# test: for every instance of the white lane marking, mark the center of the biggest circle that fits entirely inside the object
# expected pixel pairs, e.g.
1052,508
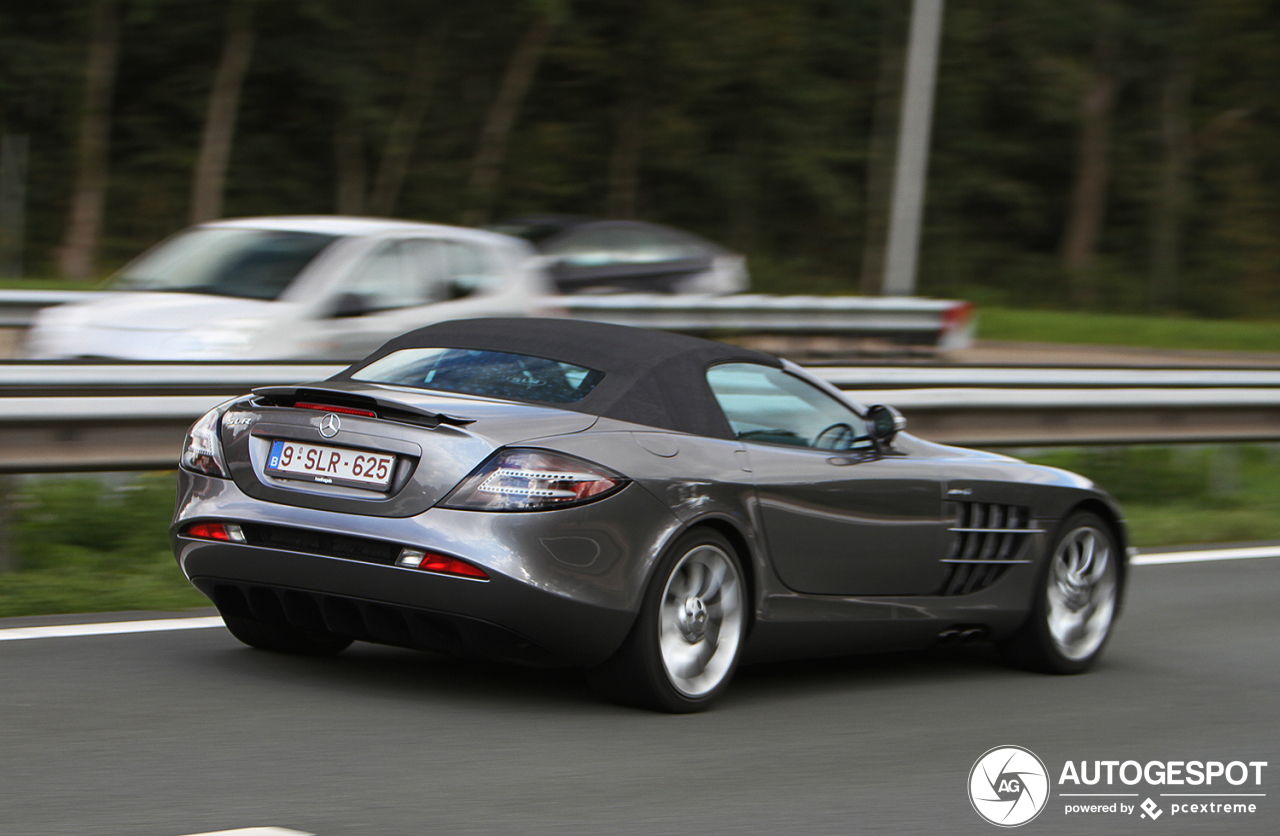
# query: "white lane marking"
255,831
57,631
1206,554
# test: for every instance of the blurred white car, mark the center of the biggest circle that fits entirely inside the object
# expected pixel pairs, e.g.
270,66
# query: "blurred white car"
319,287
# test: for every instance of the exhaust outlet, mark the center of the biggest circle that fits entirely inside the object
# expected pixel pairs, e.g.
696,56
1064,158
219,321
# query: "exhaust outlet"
962,635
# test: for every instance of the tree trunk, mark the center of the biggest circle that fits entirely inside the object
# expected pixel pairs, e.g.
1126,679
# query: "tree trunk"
883,143
624,163
1171,191
77,257
348,158
209,180
1088,202
419,86
512,91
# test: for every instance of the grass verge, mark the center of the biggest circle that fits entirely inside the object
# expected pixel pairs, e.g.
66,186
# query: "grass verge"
1176,496
1022,325
87,545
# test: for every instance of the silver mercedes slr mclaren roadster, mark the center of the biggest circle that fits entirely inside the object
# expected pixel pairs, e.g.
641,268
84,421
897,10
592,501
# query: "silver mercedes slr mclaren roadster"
651,507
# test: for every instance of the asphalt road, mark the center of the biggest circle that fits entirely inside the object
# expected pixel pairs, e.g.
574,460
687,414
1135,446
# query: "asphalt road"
162,734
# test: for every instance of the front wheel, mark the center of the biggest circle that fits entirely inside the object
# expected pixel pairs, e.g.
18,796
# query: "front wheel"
685,644
1076,600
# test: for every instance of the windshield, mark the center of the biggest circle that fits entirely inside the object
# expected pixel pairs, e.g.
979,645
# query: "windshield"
224,261
490,374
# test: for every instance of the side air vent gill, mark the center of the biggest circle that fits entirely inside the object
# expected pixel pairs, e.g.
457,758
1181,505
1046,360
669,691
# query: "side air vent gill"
988,540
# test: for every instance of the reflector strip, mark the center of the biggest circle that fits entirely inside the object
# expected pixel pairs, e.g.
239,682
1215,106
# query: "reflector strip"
61,631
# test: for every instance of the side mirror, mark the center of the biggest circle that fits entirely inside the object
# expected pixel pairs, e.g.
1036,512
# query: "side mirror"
460,287
350,304
884,422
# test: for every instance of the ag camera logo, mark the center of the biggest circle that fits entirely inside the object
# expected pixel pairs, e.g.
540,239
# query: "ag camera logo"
1008,786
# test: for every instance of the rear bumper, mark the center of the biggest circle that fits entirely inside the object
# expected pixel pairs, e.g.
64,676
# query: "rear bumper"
567,581
500,618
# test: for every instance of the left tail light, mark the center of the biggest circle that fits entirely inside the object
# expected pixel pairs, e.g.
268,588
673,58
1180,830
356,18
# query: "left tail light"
202,451
225,532
533,480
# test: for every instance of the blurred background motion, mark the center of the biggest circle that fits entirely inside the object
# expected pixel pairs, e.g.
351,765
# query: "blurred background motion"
1100,172
1099,154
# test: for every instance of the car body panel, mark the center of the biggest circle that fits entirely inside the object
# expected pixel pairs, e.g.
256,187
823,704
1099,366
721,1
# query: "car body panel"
882,546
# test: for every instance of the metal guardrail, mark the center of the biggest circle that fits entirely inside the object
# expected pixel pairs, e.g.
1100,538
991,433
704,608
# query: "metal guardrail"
1029,377
108,416
940,323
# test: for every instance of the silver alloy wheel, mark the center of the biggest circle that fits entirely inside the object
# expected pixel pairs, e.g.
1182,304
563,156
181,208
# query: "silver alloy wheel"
700,620
1081,592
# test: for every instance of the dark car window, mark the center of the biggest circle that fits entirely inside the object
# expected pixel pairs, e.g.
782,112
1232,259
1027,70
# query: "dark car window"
225,261
491,374
768,405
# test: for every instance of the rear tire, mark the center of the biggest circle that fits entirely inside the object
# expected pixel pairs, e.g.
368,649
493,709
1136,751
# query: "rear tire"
1077,599
281,638
684,647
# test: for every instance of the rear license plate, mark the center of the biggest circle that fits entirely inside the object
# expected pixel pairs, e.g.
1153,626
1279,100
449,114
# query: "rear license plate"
330,465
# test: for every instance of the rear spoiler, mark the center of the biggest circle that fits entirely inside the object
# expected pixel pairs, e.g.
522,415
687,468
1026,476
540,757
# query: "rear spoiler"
391,410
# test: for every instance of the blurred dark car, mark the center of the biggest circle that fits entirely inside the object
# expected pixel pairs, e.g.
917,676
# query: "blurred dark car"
595,256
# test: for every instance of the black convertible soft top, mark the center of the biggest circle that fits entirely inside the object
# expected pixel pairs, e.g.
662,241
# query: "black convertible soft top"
654,378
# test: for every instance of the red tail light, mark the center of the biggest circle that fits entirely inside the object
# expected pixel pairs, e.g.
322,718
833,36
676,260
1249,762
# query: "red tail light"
443,564
226,532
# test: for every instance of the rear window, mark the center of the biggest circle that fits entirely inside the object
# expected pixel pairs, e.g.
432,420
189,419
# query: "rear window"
490,374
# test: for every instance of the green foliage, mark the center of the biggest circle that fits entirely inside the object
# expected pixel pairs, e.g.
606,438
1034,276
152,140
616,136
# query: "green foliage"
83,545
1176,332
1185,495
749,122
1140,474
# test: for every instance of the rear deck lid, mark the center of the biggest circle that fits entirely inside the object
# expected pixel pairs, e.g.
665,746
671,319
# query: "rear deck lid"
418,444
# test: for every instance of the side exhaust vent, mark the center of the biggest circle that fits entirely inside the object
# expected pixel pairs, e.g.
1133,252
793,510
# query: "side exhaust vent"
988,540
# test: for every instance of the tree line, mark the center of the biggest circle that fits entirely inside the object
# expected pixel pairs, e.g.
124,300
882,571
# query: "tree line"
1105,154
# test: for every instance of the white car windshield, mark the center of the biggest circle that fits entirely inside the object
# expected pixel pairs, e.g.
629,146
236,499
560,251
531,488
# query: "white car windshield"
224,261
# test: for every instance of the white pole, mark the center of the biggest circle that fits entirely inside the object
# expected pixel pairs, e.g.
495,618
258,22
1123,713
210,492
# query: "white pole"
913,148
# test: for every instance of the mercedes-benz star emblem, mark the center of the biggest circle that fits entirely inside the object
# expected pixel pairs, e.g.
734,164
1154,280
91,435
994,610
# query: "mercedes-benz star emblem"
329,425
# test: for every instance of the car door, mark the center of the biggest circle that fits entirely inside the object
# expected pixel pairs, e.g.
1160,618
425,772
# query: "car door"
383,295
840,516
